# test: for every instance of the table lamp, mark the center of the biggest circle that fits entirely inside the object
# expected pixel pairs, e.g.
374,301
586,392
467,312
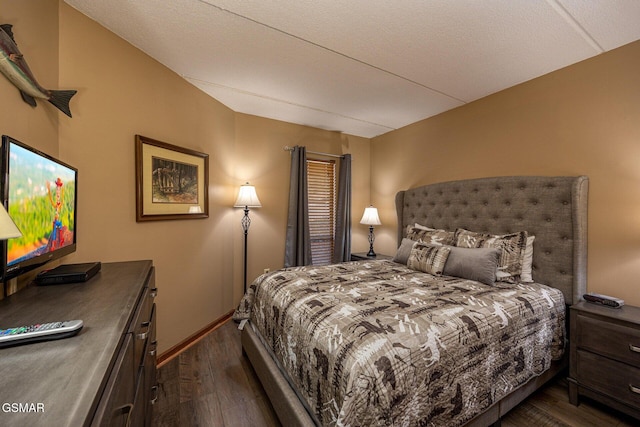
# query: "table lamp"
371,218
8,230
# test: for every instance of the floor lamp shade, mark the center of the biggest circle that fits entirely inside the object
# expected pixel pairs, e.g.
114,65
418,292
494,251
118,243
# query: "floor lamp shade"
247,198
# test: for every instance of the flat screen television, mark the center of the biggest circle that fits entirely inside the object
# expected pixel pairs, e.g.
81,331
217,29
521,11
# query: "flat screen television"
40,194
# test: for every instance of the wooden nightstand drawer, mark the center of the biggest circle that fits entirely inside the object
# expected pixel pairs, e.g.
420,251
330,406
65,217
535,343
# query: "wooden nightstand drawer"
605,356
609,339
609,377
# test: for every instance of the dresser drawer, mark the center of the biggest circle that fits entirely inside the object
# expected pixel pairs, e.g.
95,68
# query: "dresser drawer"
609,377
141,324
609,339
116,406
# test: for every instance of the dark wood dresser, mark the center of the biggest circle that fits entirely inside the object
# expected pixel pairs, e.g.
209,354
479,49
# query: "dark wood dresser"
605,356
105,375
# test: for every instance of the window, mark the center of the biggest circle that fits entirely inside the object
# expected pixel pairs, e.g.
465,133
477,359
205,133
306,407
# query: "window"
321,179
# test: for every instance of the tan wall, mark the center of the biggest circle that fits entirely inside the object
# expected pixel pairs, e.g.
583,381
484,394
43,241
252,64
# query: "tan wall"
36,35
579,120
199,262
262,161
123,92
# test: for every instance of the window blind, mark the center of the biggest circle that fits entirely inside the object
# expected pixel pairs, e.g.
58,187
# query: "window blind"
321,179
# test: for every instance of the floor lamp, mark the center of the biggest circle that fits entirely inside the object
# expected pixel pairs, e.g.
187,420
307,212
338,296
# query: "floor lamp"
247,198
370,218
8,230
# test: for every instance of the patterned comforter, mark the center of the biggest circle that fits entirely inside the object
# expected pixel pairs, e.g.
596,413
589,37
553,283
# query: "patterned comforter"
376,343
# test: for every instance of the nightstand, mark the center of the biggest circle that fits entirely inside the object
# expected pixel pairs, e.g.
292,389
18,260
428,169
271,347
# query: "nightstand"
362,256
605,356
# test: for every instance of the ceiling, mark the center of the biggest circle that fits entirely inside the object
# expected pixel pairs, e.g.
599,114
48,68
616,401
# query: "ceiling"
364,67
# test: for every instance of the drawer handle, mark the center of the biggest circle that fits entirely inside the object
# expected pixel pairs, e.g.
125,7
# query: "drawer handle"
153,293
127,409
634,348
152,352
155,393
633,389
145,334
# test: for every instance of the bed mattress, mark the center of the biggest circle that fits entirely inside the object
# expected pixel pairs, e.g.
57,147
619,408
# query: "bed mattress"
376,343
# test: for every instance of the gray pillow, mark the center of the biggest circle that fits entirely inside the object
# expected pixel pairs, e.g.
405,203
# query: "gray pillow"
402,255
477,264
512,250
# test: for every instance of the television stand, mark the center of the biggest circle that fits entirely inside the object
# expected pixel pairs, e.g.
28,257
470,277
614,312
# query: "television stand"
107,371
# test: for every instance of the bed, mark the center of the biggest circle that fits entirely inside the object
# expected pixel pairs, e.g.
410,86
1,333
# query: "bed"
414,342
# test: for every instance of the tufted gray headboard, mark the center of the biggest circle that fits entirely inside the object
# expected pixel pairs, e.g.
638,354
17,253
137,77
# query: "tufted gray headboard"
554,209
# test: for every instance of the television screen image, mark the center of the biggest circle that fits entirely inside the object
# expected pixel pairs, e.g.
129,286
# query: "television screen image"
40,192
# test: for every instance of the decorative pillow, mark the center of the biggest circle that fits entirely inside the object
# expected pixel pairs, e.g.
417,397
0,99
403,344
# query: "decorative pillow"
402,255
477,264
512,247
527,261
431,236
428,258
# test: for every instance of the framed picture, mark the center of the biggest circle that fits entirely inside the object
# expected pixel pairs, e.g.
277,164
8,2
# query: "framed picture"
171,182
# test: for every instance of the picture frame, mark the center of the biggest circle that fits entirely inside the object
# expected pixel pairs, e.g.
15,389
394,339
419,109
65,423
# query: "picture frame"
171,182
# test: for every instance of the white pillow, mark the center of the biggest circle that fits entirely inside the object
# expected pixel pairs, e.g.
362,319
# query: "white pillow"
527,261
422,227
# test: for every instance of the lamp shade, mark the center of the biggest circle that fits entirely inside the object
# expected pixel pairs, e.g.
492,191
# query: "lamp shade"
8,229
370,216
247,197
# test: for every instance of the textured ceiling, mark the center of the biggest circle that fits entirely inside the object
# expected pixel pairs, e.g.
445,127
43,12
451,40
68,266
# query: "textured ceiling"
364,67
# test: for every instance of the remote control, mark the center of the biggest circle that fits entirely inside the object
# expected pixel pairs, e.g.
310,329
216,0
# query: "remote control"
39,332
603,300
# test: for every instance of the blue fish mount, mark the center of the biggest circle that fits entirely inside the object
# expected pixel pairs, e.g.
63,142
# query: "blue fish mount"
14,67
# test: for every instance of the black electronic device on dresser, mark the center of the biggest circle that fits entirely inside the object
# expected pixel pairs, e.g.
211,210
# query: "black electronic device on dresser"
605,356
68,273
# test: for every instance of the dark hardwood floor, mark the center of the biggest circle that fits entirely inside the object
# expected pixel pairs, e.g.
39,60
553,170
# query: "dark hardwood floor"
212,384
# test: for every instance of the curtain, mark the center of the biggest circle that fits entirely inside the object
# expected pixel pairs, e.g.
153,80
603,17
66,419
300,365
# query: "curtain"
298,241
342,245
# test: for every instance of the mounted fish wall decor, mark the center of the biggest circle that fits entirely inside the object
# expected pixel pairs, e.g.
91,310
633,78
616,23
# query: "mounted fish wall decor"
15,68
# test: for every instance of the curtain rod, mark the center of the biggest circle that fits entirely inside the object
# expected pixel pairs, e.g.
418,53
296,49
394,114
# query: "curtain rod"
287,148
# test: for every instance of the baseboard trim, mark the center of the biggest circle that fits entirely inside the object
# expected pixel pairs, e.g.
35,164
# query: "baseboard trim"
193,339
